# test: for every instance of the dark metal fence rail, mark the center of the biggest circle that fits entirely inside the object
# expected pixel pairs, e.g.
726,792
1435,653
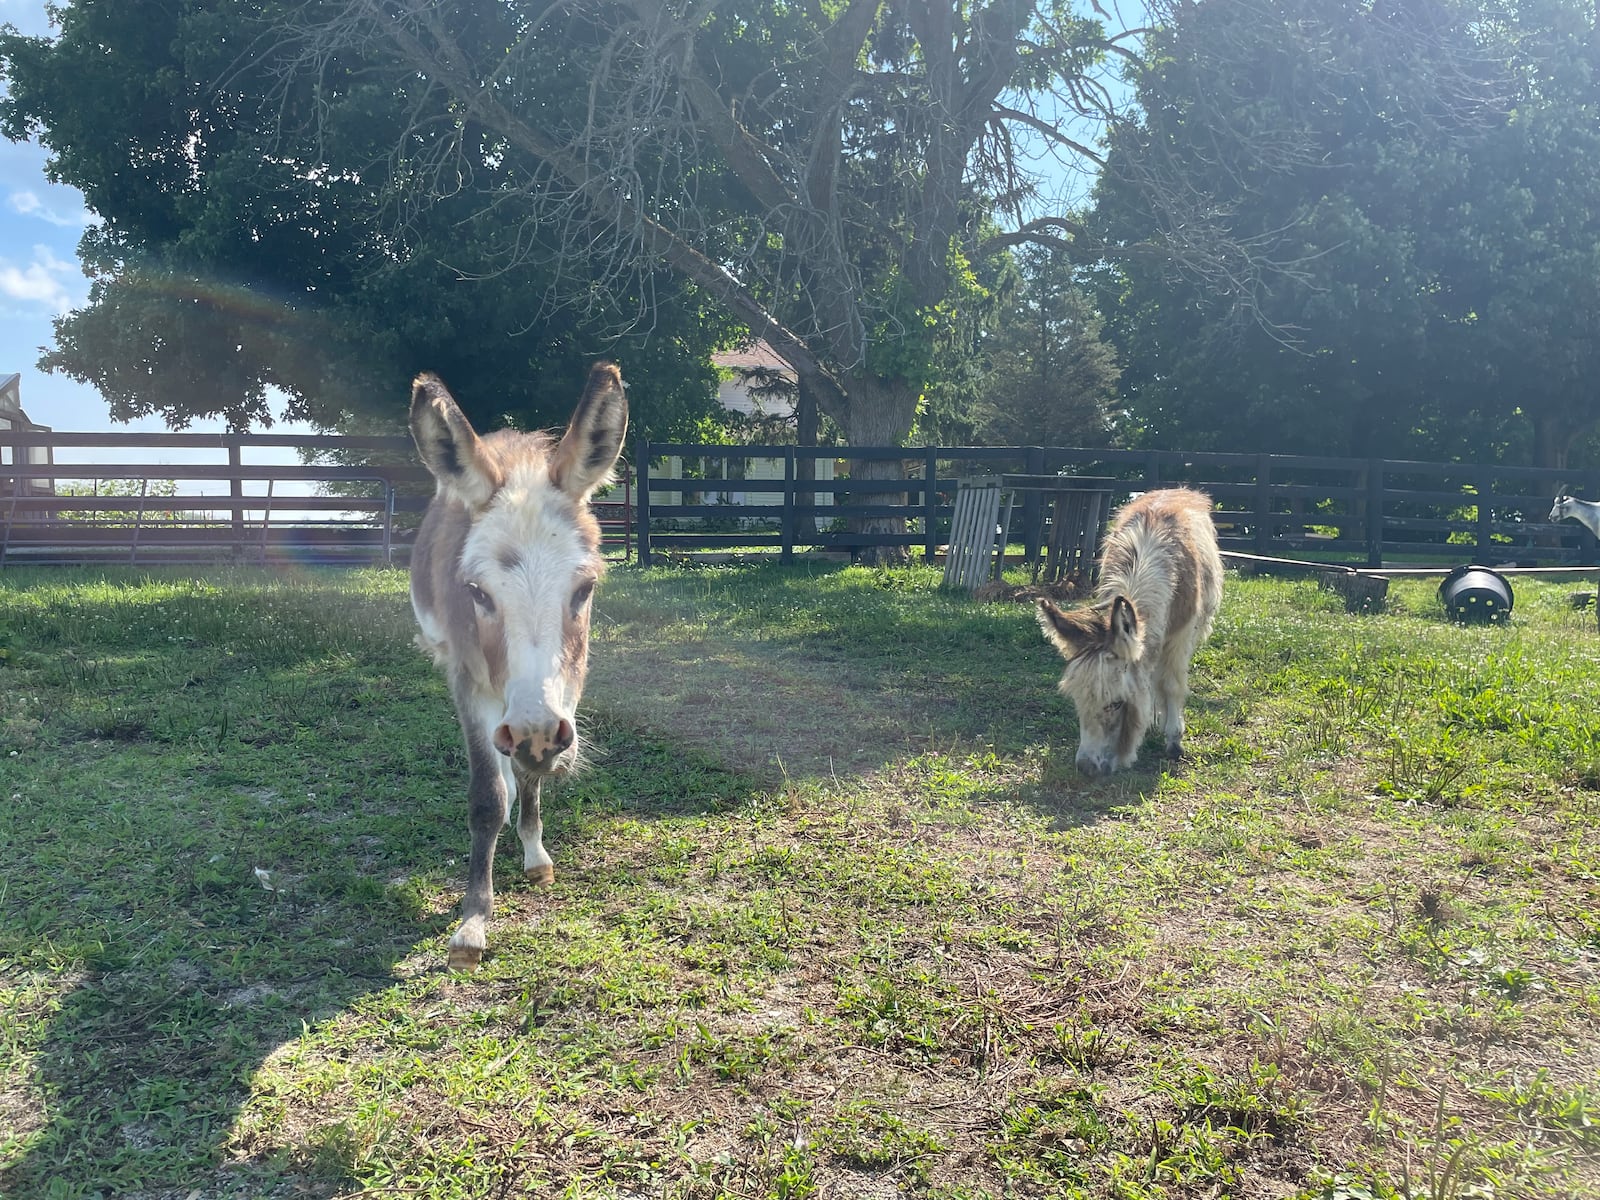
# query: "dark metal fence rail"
363,512
1339,509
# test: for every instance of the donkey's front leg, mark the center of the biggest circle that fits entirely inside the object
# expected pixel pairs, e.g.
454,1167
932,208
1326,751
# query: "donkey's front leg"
486,816
1174,694
537,866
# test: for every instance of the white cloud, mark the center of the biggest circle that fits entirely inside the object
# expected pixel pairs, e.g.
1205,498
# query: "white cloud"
48,281
29,205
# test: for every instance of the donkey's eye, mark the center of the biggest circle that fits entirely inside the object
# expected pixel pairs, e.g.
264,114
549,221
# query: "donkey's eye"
581,596
480,597
1116,706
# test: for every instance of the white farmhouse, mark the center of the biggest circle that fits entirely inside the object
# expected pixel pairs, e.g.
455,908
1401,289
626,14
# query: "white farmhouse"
13,419
737,394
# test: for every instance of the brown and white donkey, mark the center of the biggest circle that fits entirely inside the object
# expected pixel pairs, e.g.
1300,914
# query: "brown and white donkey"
1127,653
505,562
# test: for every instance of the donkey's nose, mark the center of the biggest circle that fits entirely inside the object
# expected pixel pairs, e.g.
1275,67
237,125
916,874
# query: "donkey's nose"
534,745
1093,767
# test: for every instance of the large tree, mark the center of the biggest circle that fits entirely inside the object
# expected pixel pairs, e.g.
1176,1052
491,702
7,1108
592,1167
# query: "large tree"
231,258
1051,379
1516,248
833,173
1425,171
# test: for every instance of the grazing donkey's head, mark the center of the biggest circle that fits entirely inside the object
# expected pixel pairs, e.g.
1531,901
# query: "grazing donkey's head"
1102,645
505,563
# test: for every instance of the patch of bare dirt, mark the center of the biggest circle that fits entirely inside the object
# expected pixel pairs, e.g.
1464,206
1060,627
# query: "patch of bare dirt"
767,710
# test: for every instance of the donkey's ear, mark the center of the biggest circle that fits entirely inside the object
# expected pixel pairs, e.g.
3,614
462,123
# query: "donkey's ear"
1127,635
589,448
448,446
1072,633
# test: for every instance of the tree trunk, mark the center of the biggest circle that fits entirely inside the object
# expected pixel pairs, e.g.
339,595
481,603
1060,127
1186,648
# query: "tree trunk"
1551,441
880,414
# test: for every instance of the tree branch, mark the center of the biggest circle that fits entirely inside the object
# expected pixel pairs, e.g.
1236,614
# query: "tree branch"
606,202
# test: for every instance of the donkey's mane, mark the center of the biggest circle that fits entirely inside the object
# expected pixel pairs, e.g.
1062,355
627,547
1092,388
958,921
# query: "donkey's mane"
1138,563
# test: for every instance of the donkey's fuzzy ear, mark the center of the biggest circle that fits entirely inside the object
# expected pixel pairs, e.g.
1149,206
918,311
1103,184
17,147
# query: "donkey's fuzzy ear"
1073,632
589,448
448,446
1127,634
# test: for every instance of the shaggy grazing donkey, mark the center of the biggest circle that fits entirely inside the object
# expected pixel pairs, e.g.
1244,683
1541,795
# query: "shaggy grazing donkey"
1128,652
505,562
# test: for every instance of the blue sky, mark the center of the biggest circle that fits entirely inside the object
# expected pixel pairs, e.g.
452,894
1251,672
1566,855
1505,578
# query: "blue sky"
40,224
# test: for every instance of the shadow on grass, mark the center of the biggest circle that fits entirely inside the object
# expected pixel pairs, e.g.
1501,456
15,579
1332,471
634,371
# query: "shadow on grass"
165,973
234,810
862,680
154,971
173,1000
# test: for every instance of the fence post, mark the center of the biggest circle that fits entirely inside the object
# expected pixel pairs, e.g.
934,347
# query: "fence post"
1152,471
786,536
236,494
643,470
138,522
930,504
627,510
1263,504
1484,480
266,522
388,523
1032,499
1374,515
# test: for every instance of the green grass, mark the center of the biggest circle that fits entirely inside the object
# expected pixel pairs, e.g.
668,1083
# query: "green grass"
834,915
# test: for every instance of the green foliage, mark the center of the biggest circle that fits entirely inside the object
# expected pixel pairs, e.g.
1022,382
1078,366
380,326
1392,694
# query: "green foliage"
254,236
1051,379
364,193
144,490
1420,193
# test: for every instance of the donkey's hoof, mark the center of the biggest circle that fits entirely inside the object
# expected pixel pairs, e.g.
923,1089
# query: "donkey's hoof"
465,958
1175,751
540,875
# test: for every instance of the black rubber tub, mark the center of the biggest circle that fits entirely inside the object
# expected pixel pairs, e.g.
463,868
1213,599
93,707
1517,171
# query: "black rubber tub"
1476,594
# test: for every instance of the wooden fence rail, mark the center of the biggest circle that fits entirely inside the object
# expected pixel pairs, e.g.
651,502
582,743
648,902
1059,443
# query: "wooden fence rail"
361,509
1368,511
362,506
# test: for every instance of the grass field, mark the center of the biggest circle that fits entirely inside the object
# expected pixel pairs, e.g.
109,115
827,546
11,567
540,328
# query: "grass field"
834,916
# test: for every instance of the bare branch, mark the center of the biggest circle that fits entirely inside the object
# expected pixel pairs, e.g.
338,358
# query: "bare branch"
1048,131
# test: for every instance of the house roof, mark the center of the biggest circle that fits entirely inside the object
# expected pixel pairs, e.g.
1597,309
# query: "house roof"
756,355
11,414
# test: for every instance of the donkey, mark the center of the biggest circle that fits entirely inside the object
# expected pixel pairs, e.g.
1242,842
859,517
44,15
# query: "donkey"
1128,652
1586,511
505,562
